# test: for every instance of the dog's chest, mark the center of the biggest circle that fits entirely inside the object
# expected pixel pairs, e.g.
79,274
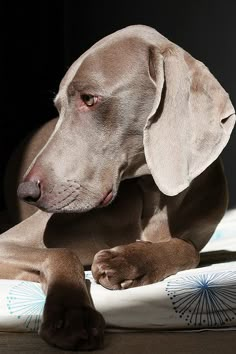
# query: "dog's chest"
87,233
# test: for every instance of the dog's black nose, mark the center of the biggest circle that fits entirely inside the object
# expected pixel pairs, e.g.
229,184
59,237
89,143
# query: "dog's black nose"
29,191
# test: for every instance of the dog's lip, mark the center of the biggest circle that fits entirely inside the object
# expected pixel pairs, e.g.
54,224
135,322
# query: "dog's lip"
107,199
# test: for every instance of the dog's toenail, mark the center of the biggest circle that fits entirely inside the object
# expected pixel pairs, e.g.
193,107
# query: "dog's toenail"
126,284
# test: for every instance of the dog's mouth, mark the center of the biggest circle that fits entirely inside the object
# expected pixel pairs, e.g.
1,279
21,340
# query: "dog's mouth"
71,204
107,199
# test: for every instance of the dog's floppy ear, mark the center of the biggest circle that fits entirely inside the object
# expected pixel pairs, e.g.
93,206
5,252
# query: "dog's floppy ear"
190,122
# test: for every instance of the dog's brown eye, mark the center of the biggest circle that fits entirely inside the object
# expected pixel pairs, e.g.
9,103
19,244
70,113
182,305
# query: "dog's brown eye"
89,100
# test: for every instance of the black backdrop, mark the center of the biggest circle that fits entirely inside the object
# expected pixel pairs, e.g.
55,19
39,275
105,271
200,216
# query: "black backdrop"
40,39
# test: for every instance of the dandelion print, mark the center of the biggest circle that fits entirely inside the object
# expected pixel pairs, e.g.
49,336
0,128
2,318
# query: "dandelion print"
26,300
204,300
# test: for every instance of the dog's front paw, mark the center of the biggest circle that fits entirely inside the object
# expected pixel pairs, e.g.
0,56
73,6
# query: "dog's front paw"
71,326
125,266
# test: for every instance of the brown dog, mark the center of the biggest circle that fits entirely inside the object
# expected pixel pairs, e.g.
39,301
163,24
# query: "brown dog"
133,156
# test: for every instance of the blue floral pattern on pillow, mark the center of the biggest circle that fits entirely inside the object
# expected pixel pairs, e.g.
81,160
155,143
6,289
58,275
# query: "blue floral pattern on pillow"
204,300
27,300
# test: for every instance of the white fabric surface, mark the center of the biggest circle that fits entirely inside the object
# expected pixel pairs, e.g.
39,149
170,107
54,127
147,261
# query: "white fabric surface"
192,299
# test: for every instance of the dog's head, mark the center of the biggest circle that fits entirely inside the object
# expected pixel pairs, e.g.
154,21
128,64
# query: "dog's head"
133,104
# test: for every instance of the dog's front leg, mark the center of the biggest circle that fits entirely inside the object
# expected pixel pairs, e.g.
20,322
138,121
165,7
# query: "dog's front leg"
69,319
142,263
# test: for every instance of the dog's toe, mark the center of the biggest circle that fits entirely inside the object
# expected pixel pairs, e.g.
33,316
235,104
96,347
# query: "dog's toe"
113,269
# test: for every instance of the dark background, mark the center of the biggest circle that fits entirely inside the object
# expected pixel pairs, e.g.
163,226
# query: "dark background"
41,39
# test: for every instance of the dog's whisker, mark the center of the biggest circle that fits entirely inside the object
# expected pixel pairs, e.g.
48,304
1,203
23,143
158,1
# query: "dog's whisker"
72,193
81,187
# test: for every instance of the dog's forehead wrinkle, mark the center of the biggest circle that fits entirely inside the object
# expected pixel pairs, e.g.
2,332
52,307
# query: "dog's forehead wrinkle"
121,56
88,85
